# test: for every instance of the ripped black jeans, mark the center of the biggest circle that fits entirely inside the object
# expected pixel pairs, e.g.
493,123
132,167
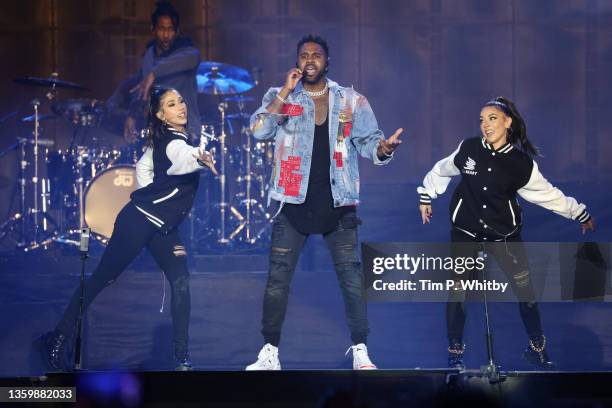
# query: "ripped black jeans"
512,260
287,245
132,233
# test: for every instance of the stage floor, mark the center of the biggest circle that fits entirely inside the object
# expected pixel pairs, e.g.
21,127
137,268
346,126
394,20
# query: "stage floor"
328,388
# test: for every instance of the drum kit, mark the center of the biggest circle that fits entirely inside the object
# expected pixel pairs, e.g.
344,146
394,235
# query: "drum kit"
86,185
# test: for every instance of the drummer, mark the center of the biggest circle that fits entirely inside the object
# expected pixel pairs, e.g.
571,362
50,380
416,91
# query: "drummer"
171,60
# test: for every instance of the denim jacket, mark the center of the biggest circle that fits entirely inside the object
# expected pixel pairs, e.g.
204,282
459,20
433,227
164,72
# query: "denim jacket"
352,130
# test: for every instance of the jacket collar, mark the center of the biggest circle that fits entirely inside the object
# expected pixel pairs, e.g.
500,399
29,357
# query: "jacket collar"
176,131
504,149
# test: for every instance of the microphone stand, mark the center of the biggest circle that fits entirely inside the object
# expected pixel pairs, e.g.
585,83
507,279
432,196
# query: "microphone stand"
83,249
490,370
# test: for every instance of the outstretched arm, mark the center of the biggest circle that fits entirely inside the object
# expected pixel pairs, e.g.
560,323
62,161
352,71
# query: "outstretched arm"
187,159
540,191
435,183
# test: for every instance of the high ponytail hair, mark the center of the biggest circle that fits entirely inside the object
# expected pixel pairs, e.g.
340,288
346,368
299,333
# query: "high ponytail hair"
155,127
517,134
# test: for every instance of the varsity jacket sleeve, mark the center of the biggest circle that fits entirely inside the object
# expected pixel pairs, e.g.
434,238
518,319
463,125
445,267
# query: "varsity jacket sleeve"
539,191
144,169
183,59
366,135
438,178
182,157
263,123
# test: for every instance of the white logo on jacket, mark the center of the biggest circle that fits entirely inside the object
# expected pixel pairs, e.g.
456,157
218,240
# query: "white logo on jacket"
470,166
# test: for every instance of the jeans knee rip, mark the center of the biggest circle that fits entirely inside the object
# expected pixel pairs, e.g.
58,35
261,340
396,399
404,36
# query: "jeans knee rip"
521,279
280,251
179,250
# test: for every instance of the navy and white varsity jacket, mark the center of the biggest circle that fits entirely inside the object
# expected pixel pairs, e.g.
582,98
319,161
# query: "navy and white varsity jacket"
168,178
485,202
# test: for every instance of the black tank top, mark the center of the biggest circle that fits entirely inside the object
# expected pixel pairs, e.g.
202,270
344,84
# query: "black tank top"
317,214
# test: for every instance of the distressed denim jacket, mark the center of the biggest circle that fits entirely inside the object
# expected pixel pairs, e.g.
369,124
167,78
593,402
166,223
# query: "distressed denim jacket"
352,130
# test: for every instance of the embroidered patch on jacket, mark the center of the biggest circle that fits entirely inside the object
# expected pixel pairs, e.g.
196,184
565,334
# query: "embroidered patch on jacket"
338,159
292,110
470,166
288,179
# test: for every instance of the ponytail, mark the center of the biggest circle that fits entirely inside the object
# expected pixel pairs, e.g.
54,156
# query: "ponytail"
517,134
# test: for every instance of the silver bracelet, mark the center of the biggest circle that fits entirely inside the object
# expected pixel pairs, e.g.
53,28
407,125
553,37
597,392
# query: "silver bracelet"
280,98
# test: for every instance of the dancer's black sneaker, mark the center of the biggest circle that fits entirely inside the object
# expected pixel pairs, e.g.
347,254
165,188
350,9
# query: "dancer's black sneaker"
52,347
183,365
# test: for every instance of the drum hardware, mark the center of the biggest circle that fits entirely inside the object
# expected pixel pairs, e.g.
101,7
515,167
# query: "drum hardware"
215,78
53,82
37,216
80,112
31,118
40,189
234,214
222,203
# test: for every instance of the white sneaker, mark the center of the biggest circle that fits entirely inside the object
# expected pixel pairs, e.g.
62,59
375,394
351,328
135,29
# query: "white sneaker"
361,360
267,359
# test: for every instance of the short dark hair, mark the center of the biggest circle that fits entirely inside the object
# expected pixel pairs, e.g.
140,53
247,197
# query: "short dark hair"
313,39
164,8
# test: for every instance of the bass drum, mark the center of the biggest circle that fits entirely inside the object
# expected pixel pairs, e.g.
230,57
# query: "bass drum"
105,196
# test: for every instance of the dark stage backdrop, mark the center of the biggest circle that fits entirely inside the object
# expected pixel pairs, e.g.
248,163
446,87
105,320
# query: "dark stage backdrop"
425,65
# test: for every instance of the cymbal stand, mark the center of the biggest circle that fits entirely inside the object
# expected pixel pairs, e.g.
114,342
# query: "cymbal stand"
223,204
80,184
36,104
250,203
18,217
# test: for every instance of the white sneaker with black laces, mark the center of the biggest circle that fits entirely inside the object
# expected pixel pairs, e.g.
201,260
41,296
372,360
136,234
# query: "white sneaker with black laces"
267,359
361,360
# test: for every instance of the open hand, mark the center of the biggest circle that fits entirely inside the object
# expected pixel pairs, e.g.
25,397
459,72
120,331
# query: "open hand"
142,89
426,213
588,226
387,147
207,158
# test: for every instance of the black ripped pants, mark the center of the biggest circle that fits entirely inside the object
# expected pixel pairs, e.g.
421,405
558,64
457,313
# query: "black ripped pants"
512,259
133,232
287,244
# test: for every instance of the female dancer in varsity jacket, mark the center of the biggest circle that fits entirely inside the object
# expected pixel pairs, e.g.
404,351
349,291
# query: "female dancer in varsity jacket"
167,175
484,208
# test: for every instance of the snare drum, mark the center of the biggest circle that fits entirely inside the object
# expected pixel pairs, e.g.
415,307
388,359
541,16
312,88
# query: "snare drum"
106,195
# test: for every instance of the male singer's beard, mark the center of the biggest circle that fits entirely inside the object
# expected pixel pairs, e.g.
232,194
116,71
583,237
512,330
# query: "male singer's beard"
314,80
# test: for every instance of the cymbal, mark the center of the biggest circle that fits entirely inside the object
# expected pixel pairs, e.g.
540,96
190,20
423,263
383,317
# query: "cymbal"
42,142
238,98
41,117
215,78
52,81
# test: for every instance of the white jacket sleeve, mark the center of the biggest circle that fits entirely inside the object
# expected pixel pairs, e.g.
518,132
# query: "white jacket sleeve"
144,169
438,178
539,191
182,157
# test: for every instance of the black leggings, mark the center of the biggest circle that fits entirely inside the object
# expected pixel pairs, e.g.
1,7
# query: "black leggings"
132,232
513,263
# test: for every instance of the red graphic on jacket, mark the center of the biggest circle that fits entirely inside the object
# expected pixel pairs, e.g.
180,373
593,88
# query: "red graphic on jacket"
292,110
288,179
